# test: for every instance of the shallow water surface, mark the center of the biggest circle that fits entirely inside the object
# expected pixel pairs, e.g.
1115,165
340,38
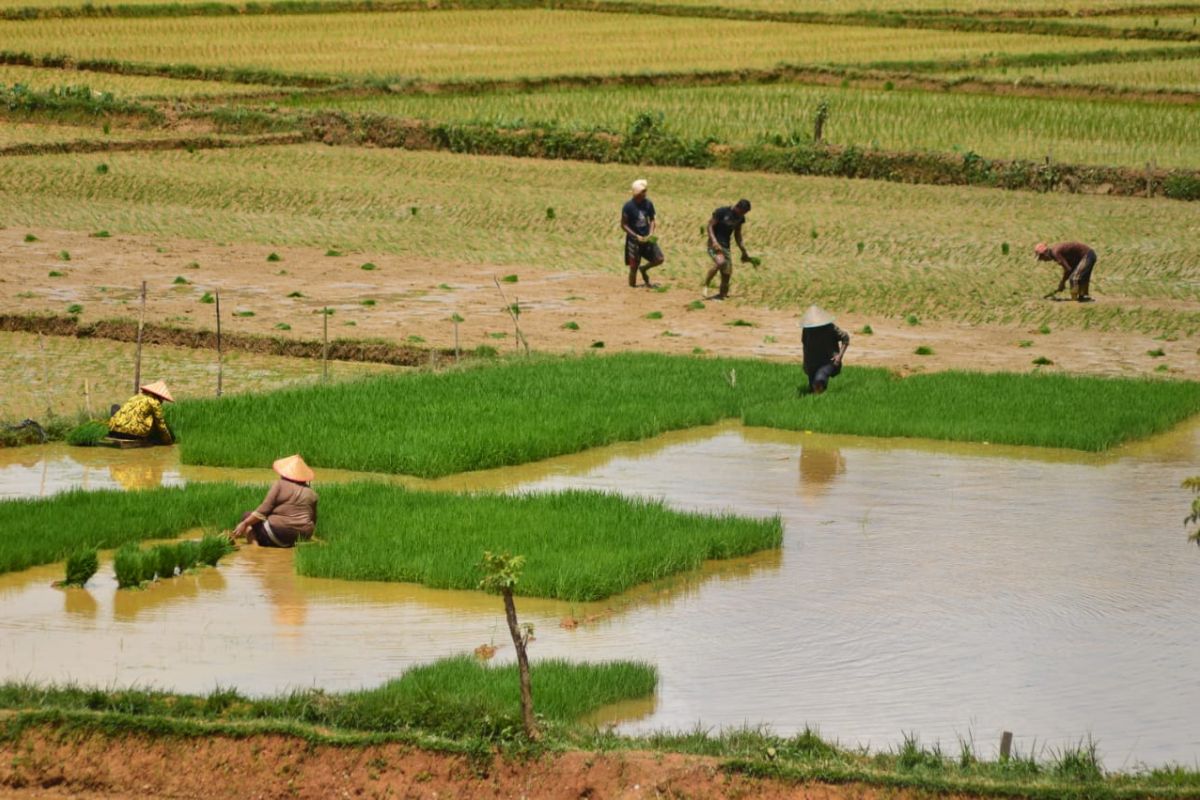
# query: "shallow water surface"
946,590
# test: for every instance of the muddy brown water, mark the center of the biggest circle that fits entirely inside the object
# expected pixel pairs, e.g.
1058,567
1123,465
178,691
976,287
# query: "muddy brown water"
951,591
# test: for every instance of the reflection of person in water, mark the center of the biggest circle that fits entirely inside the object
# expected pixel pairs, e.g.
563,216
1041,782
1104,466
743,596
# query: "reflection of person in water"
137,475
819,468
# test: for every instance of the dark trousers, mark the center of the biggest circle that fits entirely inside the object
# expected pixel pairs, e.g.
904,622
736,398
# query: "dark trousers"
821,375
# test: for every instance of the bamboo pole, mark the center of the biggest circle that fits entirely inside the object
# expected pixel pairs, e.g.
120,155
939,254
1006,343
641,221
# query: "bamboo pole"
137,364
87,397
325,344
45,378
220,358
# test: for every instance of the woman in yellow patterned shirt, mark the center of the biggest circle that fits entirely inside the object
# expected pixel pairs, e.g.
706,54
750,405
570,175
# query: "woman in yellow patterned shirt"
141,417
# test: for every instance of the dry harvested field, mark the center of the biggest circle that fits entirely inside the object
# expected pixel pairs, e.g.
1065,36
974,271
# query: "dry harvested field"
457,45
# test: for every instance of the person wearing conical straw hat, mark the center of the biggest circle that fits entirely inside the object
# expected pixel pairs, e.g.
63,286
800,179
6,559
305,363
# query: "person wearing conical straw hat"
141,416
638,222
1076,260
288,514
824,346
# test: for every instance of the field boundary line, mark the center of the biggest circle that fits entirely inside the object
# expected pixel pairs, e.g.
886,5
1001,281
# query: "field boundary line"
208,142
125,330
1052,23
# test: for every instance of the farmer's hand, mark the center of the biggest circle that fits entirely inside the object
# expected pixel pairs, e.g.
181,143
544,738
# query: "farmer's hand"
746,259
641,239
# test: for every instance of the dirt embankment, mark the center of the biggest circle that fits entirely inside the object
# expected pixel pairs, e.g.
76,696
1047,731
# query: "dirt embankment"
45,763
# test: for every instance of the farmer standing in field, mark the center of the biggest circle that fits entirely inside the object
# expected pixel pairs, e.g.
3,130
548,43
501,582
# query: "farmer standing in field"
638,222
824,346
725,222
141,416
1076,260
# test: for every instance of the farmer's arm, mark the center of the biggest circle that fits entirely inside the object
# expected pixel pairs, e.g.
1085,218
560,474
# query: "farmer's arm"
843,344
737,237
712,234
628,230
159,422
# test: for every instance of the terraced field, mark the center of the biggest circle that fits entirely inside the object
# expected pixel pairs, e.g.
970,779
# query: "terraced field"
130,86
458,45
1171,74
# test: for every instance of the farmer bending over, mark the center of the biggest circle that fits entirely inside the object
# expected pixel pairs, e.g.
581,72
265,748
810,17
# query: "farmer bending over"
141,416
637,220
1076,260
725,221
289,512
824,346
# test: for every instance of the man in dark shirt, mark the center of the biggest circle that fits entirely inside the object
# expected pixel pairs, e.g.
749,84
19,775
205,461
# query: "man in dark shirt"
1076,260
637,220
726,221
824,344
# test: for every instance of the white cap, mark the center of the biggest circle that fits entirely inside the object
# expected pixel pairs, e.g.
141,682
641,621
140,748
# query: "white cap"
639,186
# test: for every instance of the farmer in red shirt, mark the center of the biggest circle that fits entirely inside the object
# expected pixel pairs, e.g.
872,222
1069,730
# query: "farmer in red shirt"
1076,260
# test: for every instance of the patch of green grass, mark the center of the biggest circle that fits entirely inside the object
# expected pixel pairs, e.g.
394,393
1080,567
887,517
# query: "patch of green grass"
498,415
1042,361
924,350
446,287
100,235
498,335
578,545
1162,368
369,266
368,302
63,255
243,313
453,697
509,279
1044,329
81,566
333,253
741,323
414,339
866,330
695,305
56,274
296,294
74,309
274,257
698,351
1003,408
597,345
654,315
912,319
87,434
571,325
207,297
1157,352
1025,343
282,326
192,265
29,237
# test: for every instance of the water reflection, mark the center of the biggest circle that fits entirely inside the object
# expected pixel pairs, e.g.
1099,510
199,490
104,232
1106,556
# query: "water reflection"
80,603
820,466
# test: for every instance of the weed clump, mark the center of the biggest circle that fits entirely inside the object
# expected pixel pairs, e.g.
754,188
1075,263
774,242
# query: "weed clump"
571,325
912,319
509,279
207,297
866,330
74,309
180,281
741,323
274,257
81,566
102,234
29,237
1042,361
55,274
695,305
1157,352
597,344
295,294
282,326
243,313
135,567
333,253
654,315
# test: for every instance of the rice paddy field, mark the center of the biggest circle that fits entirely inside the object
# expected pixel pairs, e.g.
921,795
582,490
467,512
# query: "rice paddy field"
825,240
1080,131
431,46
685,502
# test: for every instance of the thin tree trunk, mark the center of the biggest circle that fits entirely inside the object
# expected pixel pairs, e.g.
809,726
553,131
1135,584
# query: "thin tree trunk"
220,359
325,345
510,612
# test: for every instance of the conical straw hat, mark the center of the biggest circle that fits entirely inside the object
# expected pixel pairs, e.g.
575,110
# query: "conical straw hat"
293,468
815,317
158,389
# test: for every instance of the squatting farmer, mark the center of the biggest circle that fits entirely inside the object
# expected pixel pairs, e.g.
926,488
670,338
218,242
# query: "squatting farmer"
1076,260
288,514
638,222
824,346
726,222
141,416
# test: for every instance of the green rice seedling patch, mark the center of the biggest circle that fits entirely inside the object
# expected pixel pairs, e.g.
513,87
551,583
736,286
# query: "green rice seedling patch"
1001,408
695,305
29,237
282,326
100,235
180,281
923,350
243,313
571,325
654,315
1044,329
207,297
88,434
56,274
135,567
509,279
1042,361
274,257
741,323
1157,352
63,255
368,302
578,546
454,697
295,294
81,566
333,253
369,267
597,345
866,330
75,309
1025,343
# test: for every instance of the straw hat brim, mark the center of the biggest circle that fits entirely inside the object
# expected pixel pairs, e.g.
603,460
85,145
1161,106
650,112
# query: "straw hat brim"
816,317
293,468
158,389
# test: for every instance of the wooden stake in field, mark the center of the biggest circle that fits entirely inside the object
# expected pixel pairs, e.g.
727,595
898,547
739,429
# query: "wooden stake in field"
514,311
137,362
325,344
87,397
220,359
45,376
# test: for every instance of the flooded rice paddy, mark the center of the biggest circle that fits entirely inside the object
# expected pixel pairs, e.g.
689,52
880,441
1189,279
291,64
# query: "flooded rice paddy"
951,591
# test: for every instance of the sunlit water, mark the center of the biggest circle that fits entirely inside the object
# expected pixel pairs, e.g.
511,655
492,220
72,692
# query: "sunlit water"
951,591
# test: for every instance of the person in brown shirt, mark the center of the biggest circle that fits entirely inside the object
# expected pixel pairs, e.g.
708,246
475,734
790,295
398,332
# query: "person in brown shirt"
1076,260
288,514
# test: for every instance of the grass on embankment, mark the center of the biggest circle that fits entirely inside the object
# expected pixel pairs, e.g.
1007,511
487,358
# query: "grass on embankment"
578,545
433,424
455,697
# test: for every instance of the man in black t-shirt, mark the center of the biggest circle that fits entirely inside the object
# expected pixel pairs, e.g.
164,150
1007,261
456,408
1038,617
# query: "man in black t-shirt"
726,221
637,220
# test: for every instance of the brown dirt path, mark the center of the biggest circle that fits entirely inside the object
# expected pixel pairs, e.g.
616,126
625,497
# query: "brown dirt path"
413,301
45,764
